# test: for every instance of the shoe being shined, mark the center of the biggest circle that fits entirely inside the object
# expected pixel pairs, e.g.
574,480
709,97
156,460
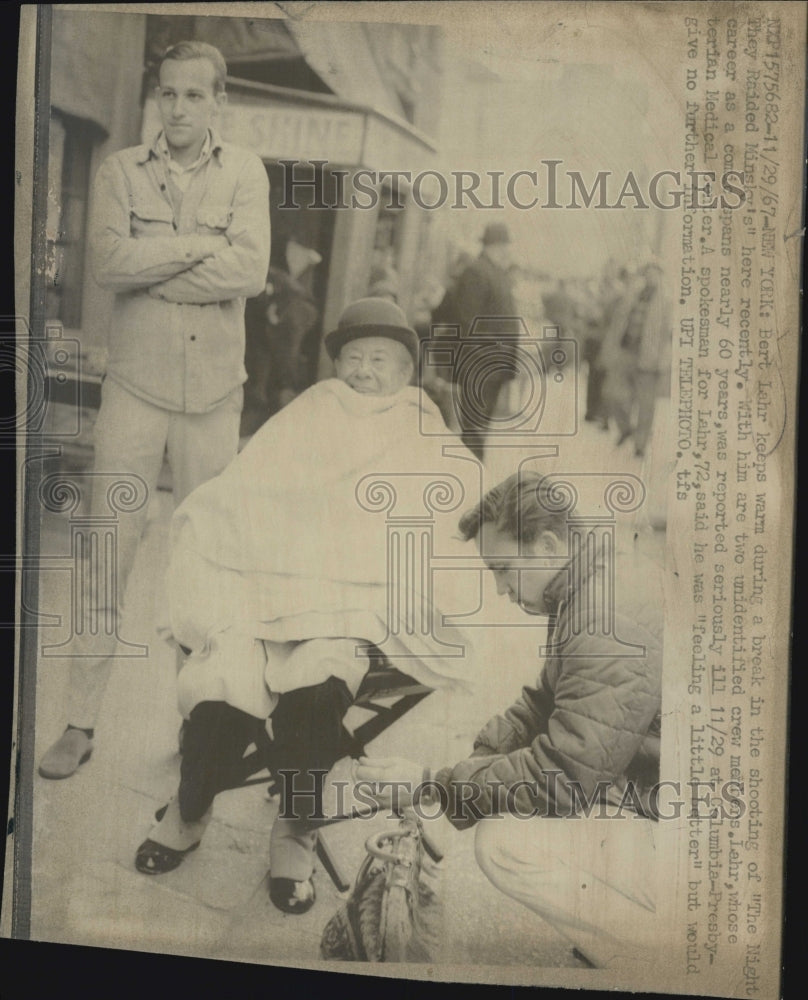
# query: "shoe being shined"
67,754
291,896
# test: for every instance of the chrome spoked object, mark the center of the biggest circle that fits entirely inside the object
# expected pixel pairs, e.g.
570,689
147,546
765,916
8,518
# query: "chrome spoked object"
377,923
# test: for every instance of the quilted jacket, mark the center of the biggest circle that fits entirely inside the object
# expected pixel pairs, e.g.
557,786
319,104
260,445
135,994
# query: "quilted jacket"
593,718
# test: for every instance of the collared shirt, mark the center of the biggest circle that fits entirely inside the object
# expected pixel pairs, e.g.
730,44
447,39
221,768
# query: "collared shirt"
181,175
181,276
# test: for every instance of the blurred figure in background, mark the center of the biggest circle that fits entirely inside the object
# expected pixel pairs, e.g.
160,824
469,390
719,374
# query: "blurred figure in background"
608,295
653,316
482,290
438,381
559,308
277,323
633,355
618,355
447,310
384,283
576,307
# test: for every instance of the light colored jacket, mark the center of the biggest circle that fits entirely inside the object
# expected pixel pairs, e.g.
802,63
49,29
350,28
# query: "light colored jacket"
177,332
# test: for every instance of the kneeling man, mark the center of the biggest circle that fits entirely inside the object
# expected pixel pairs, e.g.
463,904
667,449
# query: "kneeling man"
561,785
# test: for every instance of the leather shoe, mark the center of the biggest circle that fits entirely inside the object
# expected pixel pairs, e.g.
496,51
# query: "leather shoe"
72,749
156,859
291,896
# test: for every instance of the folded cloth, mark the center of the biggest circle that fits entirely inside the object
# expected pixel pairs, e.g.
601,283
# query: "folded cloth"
307,534
250,674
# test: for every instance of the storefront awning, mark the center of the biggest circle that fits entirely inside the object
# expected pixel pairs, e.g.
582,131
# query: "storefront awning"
246,40
343,60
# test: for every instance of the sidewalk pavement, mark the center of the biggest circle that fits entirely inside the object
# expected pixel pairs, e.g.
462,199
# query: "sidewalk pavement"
85,889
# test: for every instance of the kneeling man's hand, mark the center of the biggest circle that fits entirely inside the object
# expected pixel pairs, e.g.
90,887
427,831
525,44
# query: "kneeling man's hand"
397,778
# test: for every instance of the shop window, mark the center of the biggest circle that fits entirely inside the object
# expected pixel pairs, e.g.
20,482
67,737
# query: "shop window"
71,142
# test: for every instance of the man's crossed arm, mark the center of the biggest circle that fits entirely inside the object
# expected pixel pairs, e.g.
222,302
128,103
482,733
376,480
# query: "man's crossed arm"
240,269
125,263
194,267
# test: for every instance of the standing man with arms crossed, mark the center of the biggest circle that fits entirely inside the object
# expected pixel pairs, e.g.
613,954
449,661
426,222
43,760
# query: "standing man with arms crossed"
181,233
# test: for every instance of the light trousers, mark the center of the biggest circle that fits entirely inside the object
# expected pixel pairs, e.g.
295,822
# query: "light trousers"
593,880
131,440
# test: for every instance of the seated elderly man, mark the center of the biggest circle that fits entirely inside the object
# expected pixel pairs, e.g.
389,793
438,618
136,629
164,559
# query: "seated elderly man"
279,583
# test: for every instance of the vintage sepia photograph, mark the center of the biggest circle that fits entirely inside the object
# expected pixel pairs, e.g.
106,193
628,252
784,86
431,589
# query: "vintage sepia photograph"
405,455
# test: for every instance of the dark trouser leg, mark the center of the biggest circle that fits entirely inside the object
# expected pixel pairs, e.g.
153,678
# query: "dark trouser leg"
591,350
256,388
619,399
594,393
307,730
308,735
214,741
474,443
476,413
